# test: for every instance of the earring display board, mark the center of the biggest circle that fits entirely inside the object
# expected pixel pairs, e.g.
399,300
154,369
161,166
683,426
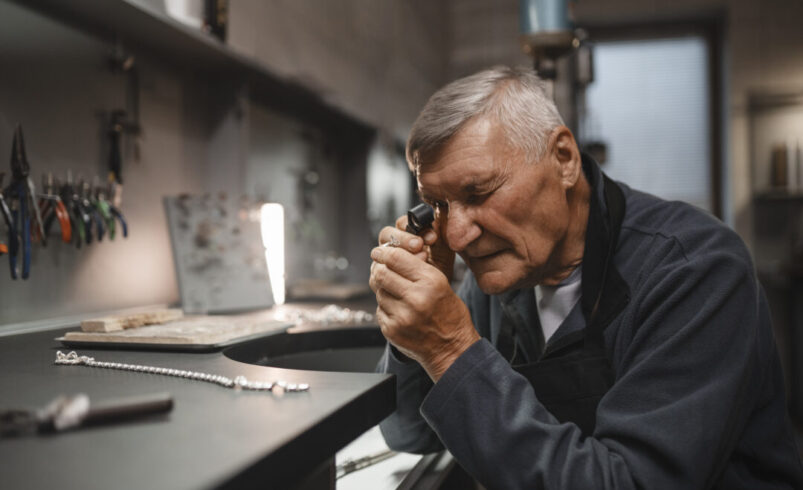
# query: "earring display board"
218,253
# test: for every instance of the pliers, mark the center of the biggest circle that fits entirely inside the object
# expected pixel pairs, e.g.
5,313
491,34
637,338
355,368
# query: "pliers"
6,212
119,215
109,212
80,221
53,209
92,211
22,194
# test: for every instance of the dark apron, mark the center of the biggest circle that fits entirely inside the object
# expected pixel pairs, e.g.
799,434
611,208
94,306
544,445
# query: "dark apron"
572,375
571,384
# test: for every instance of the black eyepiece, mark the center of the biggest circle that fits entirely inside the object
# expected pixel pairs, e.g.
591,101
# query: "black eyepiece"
419,218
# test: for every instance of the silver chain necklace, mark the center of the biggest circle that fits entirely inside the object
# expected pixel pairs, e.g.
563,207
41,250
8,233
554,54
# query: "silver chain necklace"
238,383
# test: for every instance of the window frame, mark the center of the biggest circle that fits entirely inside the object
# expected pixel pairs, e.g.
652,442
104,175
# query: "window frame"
711,30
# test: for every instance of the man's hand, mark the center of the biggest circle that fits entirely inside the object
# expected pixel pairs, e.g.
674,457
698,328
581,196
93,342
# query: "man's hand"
434,251
417,310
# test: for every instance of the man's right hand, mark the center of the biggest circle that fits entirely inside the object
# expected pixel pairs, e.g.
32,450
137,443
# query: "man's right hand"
418,311
427,247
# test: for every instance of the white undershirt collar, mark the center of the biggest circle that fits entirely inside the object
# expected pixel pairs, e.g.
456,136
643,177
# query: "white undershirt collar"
556,302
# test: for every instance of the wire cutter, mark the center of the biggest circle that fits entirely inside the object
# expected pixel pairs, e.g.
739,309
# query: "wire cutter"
109,211
6,212
119,215
78,218
24,208
54,209
4,207
92,211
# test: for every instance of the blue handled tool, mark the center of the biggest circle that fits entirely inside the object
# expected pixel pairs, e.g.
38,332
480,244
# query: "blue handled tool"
24,208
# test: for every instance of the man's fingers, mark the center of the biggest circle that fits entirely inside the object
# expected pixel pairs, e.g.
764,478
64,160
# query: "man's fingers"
381,318
385,279
391,305
386,324
391,315
402,262
400,238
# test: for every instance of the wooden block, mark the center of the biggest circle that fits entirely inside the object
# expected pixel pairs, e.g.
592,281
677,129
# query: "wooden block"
124,321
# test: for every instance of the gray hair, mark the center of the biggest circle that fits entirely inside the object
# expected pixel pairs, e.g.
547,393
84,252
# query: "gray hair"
514,97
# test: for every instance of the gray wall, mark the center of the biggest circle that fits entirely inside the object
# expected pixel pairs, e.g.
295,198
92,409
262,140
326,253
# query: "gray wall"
376,62
56,84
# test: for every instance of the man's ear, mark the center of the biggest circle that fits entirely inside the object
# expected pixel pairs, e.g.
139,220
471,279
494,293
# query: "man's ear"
563,149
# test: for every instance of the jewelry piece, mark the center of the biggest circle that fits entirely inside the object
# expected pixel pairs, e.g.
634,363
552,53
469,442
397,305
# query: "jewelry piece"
328,315
238,383
394,242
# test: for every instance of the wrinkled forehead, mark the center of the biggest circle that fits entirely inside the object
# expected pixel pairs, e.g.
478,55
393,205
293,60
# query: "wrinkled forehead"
446,184
478,129
471,163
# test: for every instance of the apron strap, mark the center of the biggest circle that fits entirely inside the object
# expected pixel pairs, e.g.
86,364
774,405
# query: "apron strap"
606,289
521,338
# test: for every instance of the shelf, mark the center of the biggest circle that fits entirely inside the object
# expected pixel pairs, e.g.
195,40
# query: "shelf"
140,27
763,101
779,273
779,195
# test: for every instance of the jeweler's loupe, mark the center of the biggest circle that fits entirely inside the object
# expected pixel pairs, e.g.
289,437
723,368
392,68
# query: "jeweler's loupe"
419,218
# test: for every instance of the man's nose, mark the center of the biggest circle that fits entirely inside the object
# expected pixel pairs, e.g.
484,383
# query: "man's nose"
461,227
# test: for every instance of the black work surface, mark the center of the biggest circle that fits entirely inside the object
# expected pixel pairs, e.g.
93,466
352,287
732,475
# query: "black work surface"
214,437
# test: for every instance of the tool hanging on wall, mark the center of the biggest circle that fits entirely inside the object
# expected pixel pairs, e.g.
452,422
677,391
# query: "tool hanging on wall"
24,209
115,153
53,209
79,218
121,122
109,211
92,210
6,212
83,210
90,214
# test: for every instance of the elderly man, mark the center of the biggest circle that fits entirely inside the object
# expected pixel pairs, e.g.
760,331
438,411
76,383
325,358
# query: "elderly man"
602,339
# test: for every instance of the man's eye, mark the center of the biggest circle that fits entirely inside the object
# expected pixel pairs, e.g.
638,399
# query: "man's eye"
441,206
476,198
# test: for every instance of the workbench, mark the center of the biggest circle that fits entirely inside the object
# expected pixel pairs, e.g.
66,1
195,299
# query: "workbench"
213,438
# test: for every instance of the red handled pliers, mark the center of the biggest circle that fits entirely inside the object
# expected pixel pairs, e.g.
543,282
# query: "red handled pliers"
54,209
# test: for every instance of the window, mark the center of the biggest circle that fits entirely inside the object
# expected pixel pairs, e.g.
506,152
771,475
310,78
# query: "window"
650,103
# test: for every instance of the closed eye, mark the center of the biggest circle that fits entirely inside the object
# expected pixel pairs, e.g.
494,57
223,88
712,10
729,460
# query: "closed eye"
477,198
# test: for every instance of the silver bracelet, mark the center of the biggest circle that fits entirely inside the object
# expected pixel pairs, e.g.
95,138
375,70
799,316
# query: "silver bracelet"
238,383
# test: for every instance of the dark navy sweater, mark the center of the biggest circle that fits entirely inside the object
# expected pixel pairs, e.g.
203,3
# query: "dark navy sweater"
698,400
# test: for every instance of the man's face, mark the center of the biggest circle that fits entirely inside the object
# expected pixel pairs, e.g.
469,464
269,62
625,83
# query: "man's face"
504,216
